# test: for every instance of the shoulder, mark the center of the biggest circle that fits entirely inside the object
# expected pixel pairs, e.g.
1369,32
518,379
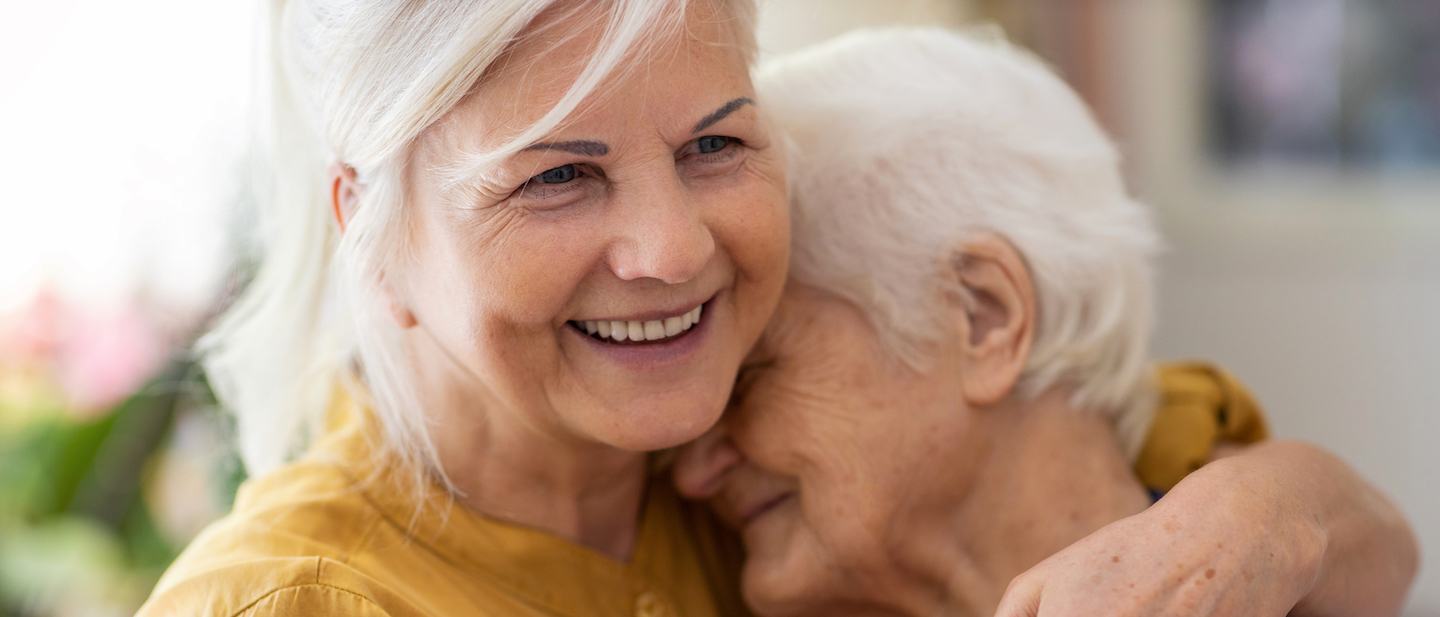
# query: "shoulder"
303,510
270,587
285,550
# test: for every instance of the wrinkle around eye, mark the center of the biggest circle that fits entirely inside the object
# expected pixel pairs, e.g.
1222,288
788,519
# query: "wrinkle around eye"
716,164
475,196
483,192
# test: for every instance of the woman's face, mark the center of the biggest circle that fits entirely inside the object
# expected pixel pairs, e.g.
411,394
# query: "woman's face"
830,454
604,283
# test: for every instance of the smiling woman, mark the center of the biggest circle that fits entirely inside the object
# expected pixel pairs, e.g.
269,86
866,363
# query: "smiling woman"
549,233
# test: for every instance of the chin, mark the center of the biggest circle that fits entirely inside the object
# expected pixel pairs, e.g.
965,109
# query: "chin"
657,421
782,575
771,590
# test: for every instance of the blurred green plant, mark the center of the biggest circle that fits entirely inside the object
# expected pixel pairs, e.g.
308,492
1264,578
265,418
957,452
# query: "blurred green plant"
77,534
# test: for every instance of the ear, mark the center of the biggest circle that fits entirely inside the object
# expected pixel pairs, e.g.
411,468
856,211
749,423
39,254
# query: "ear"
344,197
344,192
996,322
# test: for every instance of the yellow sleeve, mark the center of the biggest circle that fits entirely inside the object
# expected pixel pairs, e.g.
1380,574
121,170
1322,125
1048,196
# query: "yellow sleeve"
1200,405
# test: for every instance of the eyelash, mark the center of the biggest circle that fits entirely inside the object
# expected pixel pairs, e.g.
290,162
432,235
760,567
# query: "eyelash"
537,189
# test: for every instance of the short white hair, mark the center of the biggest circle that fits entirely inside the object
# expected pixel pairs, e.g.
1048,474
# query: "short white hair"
908,142
359,81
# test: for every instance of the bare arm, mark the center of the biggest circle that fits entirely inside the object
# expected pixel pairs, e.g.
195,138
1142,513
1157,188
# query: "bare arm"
1280,527
1370,553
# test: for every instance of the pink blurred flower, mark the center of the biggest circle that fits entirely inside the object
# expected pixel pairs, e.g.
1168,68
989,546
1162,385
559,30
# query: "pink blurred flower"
96,356
107,357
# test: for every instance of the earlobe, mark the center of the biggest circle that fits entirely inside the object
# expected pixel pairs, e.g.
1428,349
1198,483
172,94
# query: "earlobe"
997,319
402,315
399,311
344,192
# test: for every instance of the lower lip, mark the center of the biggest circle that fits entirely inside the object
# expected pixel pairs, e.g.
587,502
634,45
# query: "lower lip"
657,354
766,508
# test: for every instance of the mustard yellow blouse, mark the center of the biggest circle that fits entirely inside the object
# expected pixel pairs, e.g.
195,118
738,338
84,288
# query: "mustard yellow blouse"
333,535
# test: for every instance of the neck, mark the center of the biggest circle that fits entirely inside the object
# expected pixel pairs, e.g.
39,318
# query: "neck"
510,467
1049,476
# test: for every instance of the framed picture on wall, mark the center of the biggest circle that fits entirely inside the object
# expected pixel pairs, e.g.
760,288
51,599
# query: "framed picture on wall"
1315,113
1324,82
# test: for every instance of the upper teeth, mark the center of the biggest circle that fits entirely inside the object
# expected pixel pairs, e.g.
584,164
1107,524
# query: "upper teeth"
653,330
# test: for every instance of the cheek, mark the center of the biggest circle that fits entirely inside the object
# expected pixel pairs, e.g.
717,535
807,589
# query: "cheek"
502,272
844,467
751,221
849,518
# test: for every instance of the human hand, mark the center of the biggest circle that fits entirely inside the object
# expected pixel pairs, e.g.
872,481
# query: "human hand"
1226,541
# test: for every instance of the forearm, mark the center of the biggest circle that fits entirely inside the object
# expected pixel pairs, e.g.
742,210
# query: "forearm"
1369,553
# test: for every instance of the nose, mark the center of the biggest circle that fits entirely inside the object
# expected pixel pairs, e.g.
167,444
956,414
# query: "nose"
702,465
663,233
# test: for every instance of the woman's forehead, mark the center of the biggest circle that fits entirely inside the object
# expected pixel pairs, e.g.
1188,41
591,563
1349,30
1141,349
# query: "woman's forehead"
811,319
679,77
545,60
817,333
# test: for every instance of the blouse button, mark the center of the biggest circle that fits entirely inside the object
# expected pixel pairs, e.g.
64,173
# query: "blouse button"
648,605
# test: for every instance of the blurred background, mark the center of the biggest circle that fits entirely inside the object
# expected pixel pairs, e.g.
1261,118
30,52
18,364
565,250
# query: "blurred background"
1290,148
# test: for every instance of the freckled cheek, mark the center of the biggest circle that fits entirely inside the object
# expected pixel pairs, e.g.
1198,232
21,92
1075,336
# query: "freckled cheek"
841,521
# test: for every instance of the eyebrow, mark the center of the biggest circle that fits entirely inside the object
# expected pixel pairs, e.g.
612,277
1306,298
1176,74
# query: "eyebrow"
581,147
586,147
720,114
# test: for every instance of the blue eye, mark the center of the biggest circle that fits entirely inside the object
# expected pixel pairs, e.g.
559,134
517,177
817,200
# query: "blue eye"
559,175
711,144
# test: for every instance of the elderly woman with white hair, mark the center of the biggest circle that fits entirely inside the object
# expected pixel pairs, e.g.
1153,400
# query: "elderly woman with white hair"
952,394
549,232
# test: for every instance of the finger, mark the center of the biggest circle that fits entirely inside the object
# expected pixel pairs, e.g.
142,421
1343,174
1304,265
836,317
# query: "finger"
1021,599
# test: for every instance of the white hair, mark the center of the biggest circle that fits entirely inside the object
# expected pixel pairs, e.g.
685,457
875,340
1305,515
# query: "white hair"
359,81
908,142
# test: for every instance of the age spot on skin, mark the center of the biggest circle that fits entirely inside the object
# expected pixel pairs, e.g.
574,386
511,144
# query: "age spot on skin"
1210,573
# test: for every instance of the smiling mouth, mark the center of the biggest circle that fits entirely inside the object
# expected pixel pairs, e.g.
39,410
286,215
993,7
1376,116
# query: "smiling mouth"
640,332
